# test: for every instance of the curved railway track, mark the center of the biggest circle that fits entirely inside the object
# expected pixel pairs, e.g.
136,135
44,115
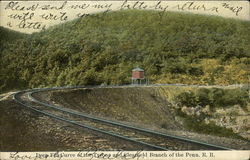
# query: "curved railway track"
148,138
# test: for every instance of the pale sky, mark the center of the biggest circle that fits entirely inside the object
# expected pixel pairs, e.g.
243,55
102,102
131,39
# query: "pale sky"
24,16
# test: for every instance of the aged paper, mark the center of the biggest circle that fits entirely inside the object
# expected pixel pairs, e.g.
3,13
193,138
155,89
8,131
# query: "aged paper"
33,16
38,16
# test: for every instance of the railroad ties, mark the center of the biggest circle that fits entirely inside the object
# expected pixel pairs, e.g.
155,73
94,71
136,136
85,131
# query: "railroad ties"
149,139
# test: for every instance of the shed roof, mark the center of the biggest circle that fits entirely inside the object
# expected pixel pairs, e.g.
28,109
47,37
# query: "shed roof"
137,69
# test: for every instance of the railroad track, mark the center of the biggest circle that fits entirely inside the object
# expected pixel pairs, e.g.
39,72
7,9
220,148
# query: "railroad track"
148,138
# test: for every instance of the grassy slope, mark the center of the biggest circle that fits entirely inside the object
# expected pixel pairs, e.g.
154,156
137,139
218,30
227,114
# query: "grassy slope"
171,47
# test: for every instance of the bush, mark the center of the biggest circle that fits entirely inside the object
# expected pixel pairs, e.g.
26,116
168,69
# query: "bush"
186,98
214,97
236,96
192,124
202,97
196,71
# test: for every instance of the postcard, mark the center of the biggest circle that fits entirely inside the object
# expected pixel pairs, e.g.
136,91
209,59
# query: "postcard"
124,79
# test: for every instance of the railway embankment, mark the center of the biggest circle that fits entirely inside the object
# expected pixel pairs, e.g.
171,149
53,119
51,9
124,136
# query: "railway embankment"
156,108
25,130
133,105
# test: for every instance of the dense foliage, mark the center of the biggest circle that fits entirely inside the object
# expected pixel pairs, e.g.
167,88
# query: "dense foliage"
103,48
213,97
196,124
8,35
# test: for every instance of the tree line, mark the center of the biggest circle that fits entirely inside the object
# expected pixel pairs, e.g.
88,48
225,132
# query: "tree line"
104,48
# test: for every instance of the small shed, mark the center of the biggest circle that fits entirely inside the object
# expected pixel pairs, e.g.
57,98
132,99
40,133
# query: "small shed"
138,76
138,73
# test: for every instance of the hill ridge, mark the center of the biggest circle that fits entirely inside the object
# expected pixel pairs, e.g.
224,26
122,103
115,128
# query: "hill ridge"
171,47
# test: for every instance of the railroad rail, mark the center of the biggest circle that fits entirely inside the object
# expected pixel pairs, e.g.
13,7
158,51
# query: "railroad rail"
150,135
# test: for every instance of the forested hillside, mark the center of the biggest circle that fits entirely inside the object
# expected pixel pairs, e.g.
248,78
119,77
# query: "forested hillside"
7,36
103,48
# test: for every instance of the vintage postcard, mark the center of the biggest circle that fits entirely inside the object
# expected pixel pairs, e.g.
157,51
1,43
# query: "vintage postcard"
124,79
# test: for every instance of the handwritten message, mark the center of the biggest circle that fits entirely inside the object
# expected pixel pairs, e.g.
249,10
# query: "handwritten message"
32,16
